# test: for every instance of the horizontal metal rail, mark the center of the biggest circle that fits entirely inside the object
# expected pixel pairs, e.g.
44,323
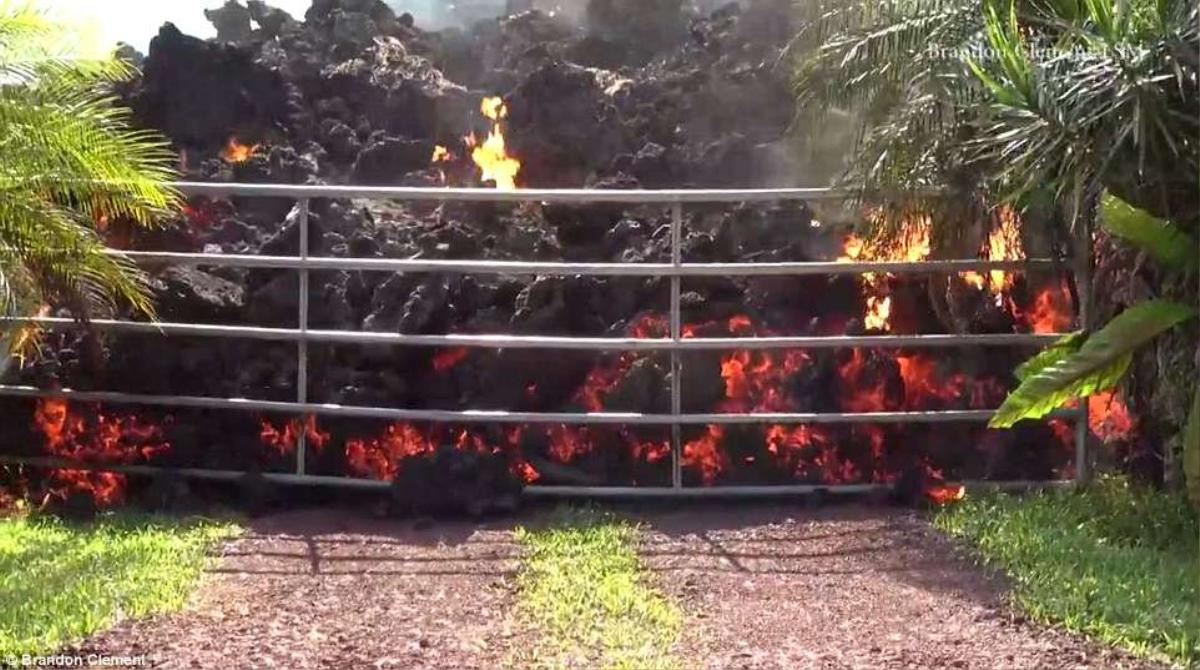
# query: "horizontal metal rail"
558,195
548,491
676,269
502,341
593,269
506,416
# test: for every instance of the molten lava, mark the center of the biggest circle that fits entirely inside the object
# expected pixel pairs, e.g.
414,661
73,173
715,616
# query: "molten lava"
1108,416
236,152
383,456
492,155
96,438
1050,312
283,441
706,455
944,494
446,359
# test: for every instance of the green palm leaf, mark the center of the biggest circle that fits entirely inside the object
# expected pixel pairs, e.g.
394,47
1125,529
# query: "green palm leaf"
1162,240
1052,354
69,160
1099,363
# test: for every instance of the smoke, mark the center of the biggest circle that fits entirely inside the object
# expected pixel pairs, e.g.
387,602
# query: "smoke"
439,14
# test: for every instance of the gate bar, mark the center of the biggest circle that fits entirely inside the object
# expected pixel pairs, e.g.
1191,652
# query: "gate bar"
467,194
1083,288
505,416
302,342
487,266
504,341
548,491
676,337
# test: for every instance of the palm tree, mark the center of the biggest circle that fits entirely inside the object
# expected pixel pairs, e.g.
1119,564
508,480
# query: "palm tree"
1088,103
70,164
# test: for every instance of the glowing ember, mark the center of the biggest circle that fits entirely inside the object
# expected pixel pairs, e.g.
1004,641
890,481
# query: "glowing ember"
236,152
861,389
492,156
569,442
97,438
448,358
1051,311
383,456
706,455
809,452
1109,417
944,494
284,440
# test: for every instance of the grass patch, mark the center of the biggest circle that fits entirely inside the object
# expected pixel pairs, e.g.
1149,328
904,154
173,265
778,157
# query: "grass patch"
584,588
61,581
1113,561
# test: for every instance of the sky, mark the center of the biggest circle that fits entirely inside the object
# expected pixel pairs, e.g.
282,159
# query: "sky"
102,23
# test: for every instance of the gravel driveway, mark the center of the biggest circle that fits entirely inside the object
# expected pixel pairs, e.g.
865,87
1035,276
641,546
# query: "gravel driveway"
842,587
761,586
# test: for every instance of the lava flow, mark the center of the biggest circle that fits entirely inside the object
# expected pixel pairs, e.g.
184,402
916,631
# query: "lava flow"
383,456
283,441
95,438
492,156
237,152
1108,416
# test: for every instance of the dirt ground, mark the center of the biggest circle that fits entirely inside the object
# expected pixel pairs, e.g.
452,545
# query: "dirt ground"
843,587
761,587
334,588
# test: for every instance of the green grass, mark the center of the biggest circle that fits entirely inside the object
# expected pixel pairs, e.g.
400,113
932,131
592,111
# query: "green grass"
61,581
583,588
1115,562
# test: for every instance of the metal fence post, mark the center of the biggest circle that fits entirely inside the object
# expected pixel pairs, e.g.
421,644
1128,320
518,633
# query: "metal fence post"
1083,289
302,343
676,336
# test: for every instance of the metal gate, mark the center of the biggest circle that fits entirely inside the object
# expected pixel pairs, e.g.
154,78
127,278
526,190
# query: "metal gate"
302,335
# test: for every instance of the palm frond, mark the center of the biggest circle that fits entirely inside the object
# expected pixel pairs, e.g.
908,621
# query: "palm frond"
1161,240
1097,365
69,159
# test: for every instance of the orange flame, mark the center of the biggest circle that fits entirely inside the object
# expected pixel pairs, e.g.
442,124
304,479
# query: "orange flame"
441,155
1051,311
705,453
382,457
944,494
1109,417
284,440
492,155
911,242
104,439
236,152
1003,244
